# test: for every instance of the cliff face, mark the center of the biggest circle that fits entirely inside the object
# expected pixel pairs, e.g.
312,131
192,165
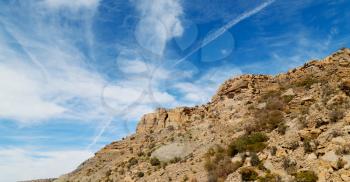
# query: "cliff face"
290,127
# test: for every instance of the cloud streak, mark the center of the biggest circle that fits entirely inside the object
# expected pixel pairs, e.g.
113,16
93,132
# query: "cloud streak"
212,36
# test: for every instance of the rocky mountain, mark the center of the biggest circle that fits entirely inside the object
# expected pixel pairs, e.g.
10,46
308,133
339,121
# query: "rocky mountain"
289,127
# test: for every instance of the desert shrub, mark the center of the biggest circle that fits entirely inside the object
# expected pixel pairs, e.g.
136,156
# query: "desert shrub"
273,150
218,164
269,177
132,161
345,87
270,117
336,133
140,154
175,160
275,103
154,161
254,142
306,176
288,98
336,115
140,174
289,166
307,82
248,174
254,159
341,163
309,146
343,150
282,128
267,120
294,145
171,128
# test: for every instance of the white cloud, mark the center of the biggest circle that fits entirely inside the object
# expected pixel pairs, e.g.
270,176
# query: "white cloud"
72,4
204,88
18,164
160,22
21,97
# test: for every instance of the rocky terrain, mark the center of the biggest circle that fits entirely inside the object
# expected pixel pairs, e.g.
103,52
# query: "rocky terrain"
289,127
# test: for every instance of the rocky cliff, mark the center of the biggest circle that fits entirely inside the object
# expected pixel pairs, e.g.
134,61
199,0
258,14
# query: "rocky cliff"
289,127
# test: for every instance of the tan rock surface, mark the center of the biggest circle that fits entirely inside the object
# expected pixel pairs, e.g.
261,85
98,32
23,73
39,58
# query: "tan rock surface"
311,133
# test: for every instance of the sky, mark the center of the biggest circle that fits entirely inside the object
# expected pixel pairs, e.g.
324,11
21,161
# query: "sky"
77,75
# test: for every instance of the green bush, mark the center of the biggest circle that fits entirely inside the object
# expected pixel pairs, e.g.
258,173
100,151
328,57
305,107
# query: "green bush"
270,178
154,161
254,142
248,174
306,176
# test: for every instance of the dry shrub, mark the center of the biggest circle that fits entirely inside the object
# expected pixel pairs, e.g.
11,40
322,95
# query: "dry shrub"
270,117
218,164
254,142
248,174
306,176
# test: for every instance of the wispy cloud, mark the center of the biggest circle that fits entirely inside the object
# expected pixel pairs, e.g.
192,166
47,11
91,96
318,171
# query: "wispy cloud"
19,164
74,5
160,21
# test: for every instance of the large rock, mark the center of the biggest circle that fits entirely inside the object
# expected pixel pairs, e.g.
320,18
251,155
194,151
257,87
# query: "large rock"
171,151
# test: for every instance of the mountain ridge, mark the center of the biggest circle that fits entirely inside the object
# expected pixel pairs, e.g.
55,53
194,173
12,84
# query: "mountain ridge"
290,127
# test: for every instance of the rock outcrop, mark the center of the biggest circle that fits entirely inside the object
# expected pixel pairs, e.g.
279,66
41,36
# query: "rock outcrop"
289,127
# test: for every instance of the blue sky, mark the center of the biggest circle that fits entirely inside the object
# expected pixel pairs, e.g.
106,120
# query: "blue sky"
76,75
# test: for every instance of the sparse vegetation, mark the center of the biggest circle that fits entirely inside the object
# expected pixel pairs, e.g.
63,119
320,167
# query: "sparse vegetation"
218,164
289,166
254,159
248,174
140,174
132,161
307,82
336,115
343,150
270,177
306,176
154,161
273,150
175,160
270,117
282,128
345,87
254,142
294,145
309,146
341,163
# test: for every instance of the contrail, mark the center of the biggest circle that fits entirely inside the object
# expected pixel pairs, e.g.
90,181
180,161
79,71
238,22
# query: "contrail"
208,39
25,50
211,37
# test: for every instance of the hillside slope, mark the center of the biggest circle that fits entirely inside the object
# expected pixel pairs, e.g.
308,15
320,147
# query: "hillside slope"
289,127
